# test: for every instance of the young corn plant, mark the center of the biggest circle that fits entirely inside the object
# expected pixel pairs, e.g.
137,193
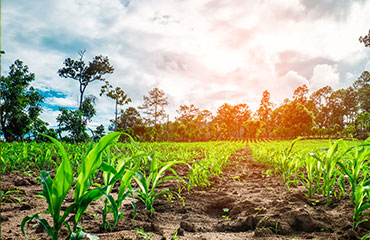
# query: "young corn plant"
354,166
122,169
148,182
362,203
198,176
331,174
55,190
287,164
311,177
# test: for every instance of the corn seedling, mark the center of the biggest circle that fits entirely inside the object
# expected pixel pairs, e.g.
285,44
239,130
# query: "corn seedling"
55,190
362,203
286,164
175,237
119,169
148,183
8,196
329,160
353,167
311,177
146,236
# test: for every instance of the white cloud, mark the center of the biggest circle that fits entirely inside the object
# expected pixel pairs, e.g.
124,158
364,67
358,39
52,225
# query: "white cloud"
323,75
199,52
63,102
286,85
48,115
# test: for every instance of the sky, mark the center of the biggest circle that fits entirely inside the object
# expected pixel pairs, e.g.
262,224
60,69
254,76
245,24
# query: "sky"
201,52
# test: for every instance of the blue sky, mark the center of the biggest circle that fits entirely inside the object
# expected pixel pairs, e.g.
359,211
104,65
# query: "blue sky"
204,53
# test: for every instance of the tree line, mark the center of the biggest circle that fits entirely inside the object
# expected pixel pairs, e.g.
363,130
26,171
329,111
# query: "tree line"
323,113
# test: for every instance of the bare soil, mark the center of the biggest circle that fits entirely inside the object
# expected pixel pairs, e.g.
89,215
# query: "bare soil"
242,204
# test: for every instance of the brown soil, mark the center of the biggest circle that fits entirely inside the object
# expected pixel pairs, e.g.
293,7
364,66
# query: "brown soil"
260,207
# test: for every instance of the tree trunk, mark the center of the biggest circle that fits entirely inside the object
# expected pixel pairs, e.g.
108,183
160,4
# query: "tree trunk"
115,117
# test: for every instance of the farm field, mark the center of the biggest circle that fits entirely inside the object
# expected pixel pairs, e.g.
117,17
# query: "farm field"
211,190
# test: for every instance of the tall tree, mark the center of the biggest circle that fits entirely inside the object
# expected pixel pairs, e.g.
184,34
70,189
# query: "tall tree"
242,115
362,88
116,94
20,103
291,120
154,106
301,94
363,125
252,128
233,118
350,105
74,122
187,113
265,108
193,123
85,73
264,111
321,98
130,121
337,109
189,118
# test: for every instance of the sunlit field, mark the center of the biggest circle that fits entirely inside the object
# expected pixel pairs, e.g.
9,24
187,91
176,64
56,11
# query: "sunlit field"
73,177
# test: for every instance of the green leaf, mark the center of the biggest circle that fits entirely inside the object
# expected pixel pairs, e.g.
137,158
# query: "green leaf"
107,168
114,209
44,224
91,162
86,199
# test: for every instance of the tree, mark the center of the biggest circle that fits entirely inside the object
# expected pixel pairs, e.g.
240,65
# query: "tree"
320,99
20,103
85,74
189,120
337,109
99,133
265,110
232,118
350,105
291,120
116,94
42,127
75,121
187,113
363,125
365,39
242,115
252,128
300,94
130,121
362,89
154,106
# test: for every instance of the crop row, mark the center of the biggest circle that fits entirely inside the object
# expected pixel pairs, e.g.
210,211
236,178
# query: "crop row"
331,168
91,171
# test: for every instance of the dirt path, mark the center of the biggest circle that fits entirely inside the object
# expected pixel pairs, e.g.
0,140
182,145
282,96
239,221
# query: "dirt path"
243,204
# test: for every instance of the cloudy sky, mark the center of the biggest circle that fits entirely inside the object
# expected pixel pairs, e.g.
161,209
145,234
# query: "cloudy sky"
201,52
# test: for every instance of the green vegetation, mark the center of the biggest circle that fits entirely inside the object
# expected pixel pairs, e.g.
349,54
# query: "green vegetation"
332,169
77,169
149,179
328,168
20,104
55,190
